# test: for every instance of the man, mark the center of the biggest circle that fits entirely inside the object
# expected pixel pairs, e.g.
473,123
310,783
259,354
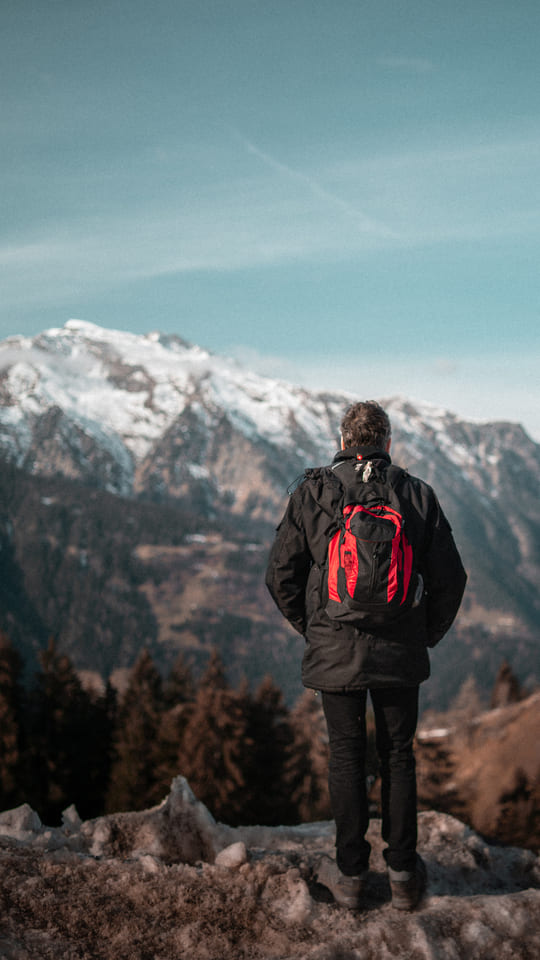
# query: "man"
344,659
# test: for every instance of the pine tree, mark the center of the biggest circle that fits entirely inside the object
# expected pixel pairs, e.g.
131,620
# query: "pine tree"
271,737
63,740
12,759
134,783
307,763
215,748
179,687
506,689
101,721
178,699
468,702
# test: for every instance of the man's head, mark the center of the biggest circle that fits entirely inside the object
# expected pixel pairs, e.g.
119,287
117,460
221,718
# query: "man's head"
366,424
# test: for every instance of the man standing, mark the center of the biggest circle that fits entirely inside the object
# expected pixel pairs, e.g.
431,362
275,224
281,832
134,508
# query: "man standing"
369,603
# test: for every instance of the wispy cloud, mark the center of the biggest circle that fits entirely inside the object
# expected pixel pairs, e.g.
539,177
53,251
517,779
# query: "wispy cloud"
474,189
368,224
271,212
27,255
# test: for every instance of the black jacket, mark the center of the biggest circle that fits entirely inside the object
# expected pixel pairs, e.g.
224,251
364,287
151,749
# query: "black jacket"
340,656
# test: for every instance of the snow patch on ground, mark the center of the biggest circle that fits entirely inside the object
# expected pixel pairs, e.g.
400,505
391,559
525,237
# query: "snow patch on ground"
171,882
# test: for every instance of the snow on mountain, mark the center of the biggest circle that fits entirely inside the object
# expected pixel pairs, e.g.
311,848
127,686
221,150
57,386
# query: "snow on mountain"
74,391
156,416
116,383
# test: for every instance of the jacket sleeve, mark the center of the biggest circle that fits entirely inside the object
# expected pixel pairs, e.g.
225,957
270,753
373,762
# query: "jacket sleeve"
444,577
289,565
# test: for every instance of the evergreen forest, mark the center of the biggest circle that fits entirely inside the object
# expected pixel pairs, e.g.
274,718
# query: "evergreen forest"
247,756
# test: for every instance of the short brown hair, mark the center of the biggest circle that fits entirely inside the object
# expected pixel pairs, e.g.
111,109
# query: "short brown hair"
365,424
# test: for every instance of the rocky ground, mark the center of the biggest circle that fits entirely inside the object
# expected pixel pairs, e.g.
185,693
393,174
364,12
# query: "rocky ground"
170,883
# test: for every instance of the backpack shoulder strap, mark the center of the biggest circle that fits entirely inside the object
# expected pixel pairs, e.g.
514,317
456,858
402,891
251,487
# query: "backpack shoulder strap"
395,475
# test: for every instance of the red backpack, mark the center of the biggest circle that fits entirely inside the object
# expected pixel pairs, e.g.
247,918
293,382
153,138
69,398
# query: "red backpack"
371,571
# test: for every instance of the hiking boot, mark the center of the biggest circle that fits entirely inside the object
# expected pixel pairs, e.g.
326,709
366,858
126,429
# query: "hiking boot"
408,886
347,891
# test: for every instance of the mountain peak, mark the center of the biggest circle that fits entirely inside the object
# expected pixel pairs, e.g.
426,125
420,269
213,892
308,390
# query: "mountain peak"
124,389
83,325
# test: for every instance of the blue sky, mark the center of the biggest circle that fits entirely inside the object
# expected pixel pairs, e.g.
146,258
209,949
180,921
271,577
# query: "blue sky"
343,194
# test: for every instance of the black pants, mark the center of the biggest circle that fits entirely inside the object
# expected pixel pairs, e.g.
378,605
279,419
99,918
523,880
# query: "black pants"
396,715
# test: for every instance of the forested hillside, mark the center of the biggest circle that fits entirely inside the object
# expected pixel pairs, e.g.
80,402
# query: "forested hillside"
250,758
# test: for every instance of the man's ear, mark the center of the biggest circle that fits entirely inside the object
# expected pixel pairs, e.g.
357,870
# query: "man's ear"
388,444
342,441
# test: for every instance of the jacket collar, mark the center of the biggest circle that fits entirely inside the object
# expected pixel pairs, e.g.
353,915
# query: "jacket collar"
362,453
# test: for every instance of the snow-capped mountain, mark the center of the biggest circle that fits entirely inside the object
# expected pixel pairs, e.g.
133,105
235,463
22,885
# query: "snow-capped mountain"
159,421
152,414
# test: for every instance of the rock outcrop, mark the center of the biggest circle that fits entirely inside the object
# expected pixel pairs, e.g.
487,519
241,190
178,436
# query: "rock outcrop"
172,883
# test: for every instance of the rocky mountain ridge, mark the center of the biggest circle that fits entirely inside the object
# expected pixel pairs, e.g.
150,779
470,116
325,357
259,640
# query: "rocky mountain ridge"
154,415
148,414
151,423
